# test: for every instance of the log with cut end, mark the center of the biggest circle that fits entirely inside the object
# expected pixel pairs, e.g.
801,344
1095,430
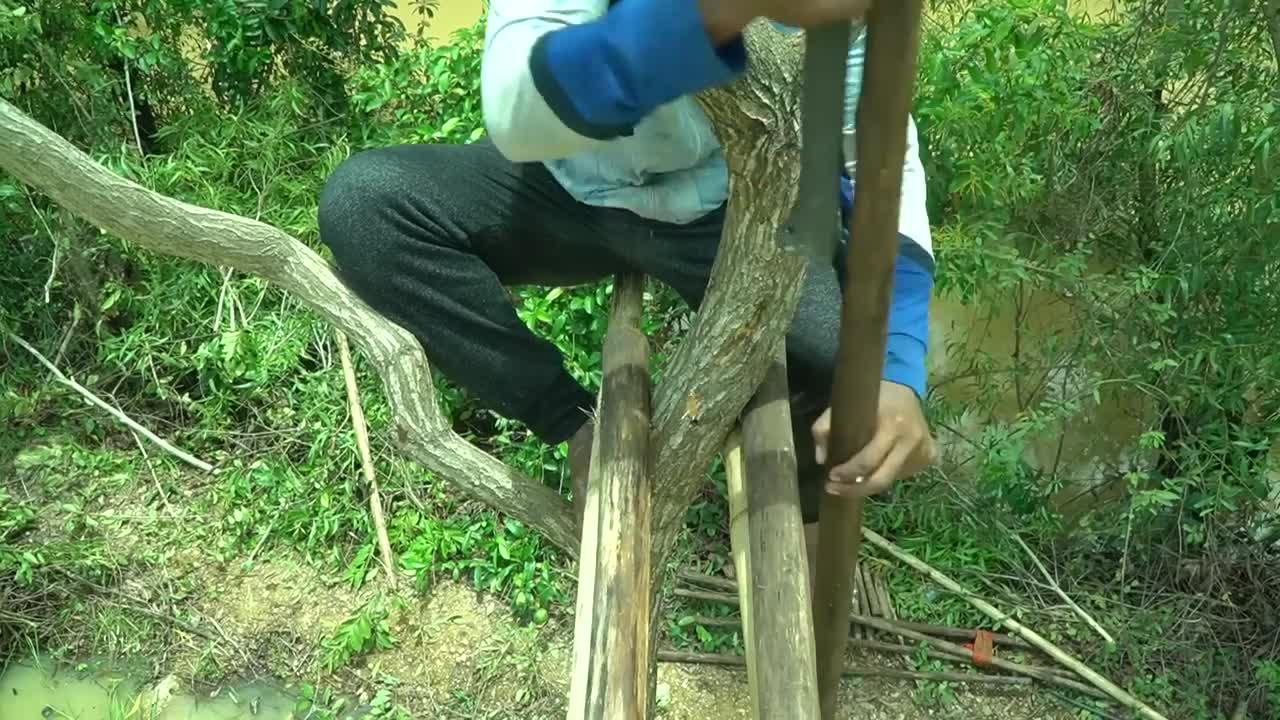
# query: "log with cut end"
767,533
611,649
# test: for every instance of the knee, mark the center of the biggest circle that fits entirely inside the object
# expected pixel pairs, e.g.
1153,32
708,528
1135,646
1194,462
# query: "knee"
351,197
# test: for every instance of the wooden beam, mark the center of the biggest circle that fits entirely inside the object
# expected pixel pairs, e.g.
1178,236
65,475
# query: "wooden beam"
893,35
767,533
612,650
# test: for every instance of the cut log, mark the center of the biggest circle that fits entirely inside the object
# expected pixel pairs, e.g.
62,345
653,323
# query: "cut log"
611,648
767,532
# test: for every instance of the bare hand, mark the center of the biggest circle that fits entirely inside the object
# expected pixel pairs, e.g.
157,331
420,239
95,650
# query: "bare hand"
901,446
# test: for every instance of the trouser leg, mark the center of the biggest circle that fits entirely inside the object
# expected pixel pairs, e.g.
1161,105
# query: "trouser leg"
430,235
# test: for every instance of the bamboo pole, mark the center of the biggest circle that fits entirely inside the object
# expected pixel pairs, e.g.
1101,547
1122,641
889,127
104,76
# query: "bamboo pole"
893,31
611,649
767,533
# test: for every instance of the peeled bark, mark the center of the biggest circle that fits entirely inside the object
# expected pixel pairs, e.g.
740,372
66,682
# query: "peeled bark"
612,639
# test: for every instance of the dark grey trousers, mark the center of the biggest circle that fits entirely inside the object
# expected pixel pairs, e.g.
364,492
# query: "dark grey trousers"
431,235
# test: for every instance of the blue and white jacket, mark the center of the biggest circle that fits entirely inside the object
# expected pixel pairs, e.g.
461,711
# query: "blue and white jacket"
600,92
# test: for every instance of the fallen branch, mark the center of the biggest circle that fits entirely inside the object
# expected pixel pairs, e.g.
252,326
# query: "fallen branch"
1002,618
114,412
1057,589
672,656
366,459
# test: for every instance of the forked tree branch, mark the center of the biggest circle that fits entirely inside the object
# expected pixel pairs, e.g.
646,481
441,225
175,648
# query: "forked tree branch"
47,162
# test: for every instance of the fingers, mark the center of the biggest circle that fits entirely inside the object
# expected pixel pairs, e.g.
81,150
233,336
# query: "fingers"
857,468
888,457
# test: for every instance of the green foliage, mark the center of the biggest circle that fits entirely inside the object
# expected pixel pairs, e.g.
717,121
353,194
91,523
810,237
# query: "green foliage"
363,632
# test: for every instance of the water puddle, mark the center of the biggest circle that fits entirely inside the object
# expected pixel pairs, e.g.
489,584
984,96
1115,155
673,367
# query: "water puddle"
38,691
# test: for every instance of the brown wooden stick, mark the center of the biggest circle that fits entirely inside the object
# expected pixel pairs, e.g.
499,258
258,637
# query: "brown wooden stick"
893,34
767,532
611,644
710,582
366,459
1086,672
114,412
673,656
926,628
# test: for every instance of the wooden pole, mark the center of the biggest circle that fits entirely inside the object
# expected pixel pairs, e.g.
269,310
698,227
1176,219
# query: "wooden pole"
612,638
893,31
767,532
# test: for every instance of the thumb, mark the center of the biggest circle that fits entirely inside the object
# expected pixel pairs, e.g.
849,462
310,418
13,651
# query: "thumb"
821,435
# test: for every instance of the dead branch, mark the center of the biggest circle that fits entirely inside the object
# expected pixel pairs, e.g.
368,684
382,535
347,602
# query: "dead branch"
366,459
1002,618
113,411
1057,589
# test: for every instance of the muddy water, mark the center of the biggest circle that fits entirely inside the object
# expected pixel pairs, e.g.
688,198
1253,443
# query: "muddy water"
41,692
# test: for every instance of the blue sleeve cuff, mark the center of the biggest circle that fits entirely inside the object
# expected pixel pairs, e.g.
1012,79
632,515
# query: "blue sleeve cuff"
601,78
908,326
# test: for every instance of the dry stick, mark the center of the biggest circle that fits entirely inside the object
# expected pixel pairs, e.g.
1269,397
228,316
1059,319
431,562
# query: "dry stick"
926,628
672,656
366,458
1048,674
710,582
1058,590
117,414
1027,634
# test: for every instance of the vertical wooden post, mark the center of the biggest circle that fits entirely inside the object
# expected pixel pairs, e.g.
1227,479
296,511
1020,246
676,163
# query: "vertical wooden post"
893,35
611,647
767,532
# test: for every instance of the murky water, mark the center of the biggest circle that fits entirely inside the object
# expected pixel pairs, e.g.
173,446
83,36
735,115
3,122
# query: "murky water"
43,692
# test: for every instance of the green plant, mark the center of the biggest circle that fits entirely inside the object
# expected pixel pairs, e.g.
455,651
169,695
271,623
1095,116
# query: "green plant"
363,632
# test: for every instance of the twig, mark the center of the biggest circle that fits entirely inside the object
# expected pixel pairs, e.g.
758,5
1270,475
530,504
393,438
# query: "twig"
67,334
366,458
673,656
117,414
1053,584
128,86
147,459
1027,634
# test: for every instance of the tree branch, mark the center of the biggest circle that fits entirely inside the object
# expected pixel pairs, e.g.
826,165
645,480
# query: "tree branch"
754,285
49,163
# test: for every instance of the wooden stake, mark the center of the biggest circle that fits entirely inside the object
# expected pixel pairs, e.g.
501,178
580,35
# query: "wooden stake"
893,31
611,648
767,532
366,459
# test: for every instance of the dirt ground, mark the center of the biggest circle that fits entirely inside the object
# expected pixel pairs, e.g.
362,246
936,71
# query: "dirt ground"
459,655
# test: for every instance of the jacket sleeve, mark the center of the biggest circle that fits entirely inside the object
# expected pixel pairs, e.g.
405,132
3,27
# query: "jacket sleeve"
908,329
558,76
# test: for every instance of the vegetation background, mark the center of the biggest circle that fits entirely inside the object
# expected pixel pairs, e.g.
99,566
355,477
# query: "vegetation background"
1105,192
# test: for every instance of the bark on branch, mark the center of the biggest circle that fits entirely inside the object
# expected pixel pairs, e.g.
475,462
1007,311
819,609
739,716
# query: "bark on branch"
47,162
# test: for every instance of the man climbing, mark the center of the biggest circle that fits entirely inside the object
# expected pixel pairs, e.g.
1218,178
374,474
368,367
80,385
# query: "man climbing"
598,161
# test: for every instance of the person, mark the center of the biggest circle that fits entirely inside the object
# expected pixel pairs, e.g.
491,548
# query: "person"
596,161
